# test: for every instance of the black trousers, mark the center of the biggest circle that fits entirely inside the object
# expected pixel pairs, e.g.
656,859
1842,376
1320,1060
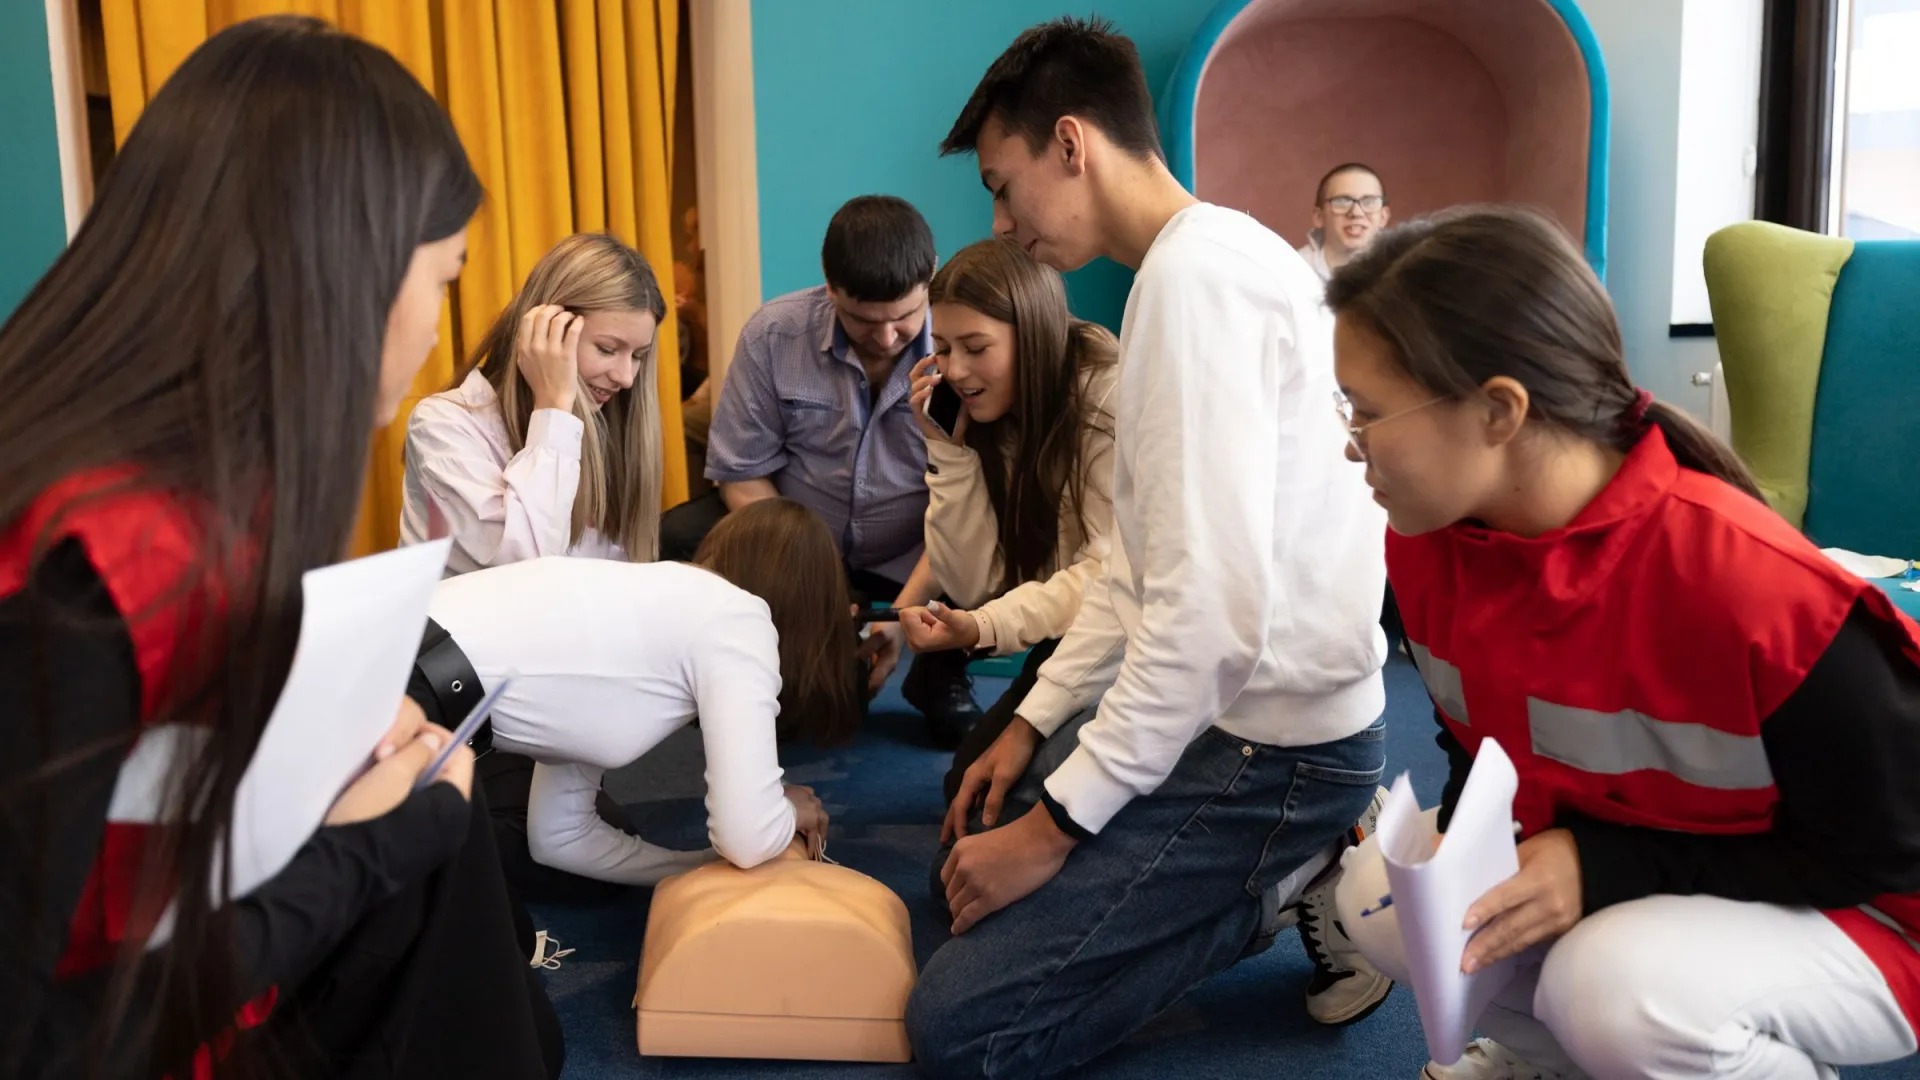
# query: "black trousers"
683,527
433,983
1001,713
1390,621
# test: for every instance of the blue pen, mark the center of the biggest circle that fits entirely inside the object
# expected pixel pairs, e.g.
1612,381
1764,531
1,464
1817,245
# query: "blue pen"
1385,903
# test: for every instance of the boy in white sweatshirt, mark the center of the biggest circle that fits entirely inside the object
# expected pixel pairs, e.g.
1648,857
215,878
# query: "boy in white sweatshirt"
1236,636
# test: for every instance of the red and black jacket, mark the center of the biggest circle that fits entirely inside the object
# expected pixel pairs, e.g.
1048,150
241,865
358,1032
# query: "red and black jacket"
98,606
1684,682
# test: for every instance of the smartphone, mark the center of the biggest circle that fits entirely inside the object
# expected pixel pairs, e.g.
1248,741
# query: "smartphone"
464,732
943,407
876,615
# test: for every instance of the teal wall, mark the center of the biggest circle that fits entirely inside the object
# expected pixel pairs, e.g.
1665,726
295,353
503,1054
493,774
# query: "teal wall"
852,97
33,225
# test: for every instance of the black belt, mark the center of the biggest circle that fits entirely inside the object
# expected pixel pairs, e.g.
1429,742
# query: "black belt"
444,682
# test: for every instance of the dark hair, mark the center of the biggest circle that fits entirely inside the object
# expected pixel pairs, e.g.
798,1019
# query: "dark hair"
1476,292
878,249
1067,67
620,461
1320,192
782,552
1031,457
217,325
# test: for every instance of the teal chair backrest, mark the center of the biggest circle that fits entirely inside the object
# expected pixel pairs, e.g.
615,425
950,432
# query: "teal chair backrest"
1863,473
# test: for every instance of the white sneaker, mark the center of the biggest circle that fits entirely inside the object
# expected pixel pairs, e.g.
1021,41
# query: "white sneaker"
1488,1060
1345,988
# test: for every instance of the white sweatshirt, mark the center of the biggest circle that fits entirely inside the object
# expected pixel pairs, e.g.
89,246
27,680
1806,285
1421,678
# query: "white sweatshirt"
611,658
500,507
1244,585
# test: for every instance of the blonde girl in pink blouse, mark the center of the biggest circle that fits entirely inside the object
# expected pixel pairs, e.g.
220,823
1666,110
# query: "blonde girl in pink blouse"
548,441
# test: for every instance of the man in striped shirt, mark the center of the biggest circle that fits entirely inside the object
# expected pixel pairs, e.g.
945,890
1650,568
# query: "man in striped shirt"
815,409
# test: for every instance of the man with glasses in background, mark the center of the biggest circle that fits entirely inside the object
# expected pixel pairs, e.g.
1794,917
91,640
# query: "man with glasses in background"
1349,210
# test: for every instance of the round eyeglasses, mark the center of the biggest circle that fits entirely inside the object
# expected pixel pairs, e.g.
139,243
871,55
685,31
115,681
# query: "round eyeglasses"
1344,406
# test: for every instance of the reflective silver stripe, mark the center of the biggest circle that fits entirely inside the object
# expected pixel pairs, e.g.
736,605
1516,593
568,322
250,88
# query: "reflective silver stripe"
1443,682
1622,742
1890,923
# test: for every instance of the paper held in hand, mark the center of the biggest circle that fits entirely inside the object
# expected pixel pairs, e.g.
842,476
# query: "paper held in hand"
360,627
1433,888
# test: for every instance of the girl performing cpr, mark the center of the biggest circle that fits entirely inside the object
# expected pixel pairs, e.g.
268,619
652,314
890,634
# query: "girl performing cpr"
609,658
1716,728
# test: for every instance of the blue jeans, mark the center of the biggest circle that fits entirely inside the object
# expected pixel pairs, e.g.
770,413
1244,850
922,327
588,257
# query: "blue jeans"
1166,896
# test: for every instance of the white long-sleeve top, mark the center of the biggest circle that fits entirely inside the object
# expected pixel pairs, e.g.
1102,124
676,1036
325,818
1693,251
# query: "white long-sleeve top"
611,658
1244,587
499,506
963,533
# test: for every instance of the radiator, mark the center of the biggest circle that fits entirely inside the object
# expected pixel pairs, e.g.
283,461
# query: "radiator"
1719,413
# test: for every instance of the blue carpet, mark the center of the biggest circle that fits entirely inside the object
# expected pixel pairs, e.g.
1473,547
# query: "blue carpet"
883,793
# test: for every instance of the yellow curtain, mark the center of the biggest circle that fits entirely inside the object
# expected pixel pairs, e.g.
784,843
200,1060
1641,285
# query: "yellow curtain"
566,109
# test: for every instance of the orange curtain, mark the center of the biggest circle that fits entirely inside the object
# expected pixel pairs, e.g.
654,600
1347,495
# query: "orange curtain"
566,110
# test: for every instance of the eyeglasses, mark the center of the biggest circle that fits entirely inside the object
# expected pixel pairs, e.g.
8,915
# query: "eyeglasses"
1344,204
1344,406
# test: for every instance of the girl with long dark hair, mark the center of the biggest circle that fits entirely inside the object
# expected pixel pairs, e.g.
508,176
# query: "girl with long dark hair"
1716,728
191,391
1020,494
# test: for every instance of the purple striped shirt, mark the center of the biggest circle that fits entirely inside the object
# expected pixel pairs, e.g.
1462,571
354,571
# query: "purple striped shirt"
795,409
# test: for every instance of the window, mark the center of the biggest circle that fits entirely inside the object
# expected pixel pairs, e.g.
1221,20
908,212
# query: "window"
1874,179
1721,48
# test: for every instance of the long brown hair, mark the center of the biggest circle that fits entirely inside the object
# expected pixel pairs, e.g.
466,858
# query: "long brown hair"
781,552
1477,292
217,325
620,470
1031,457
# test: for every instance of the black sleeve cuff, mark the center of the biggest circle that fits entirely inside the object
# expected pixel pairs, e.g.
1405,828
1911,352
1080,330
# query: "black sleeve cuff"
1061,819
1610,872
1459,764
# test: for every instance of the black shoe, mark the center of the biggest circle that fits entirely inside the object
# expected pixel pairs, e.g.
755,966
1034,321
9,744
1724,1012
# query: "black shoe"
945,698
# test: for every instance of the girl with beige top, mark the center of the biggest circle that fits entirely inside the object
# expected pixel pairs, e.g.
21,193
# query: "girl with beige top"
1021,495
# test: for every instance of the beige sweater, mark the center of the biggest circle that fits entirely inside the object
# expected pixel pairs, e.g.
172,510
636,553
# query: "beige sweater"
963,535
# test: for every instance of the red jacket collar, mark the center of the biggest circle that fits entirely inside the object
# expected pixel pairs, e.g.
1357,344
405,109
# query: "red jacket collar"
1569,563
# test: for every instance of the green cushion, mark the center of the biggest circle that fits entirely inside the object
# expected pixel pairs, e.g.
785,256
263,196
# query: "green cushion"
1771,288
1005,667
1864,478
991,667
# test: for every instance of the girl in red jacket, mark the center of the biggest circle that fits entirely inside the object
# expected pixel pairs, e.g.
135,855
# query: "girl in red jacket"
190,395
1716,728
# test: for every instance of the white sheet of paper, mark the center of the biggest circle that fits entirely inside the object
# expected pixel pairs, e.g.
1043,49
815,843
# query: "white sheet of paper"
1866,566
360,627
1432,890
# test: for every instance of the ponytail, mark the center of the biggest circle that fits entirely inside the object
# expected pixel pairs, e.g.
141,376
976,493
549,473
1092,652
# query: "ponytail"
1699,449
1476,293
